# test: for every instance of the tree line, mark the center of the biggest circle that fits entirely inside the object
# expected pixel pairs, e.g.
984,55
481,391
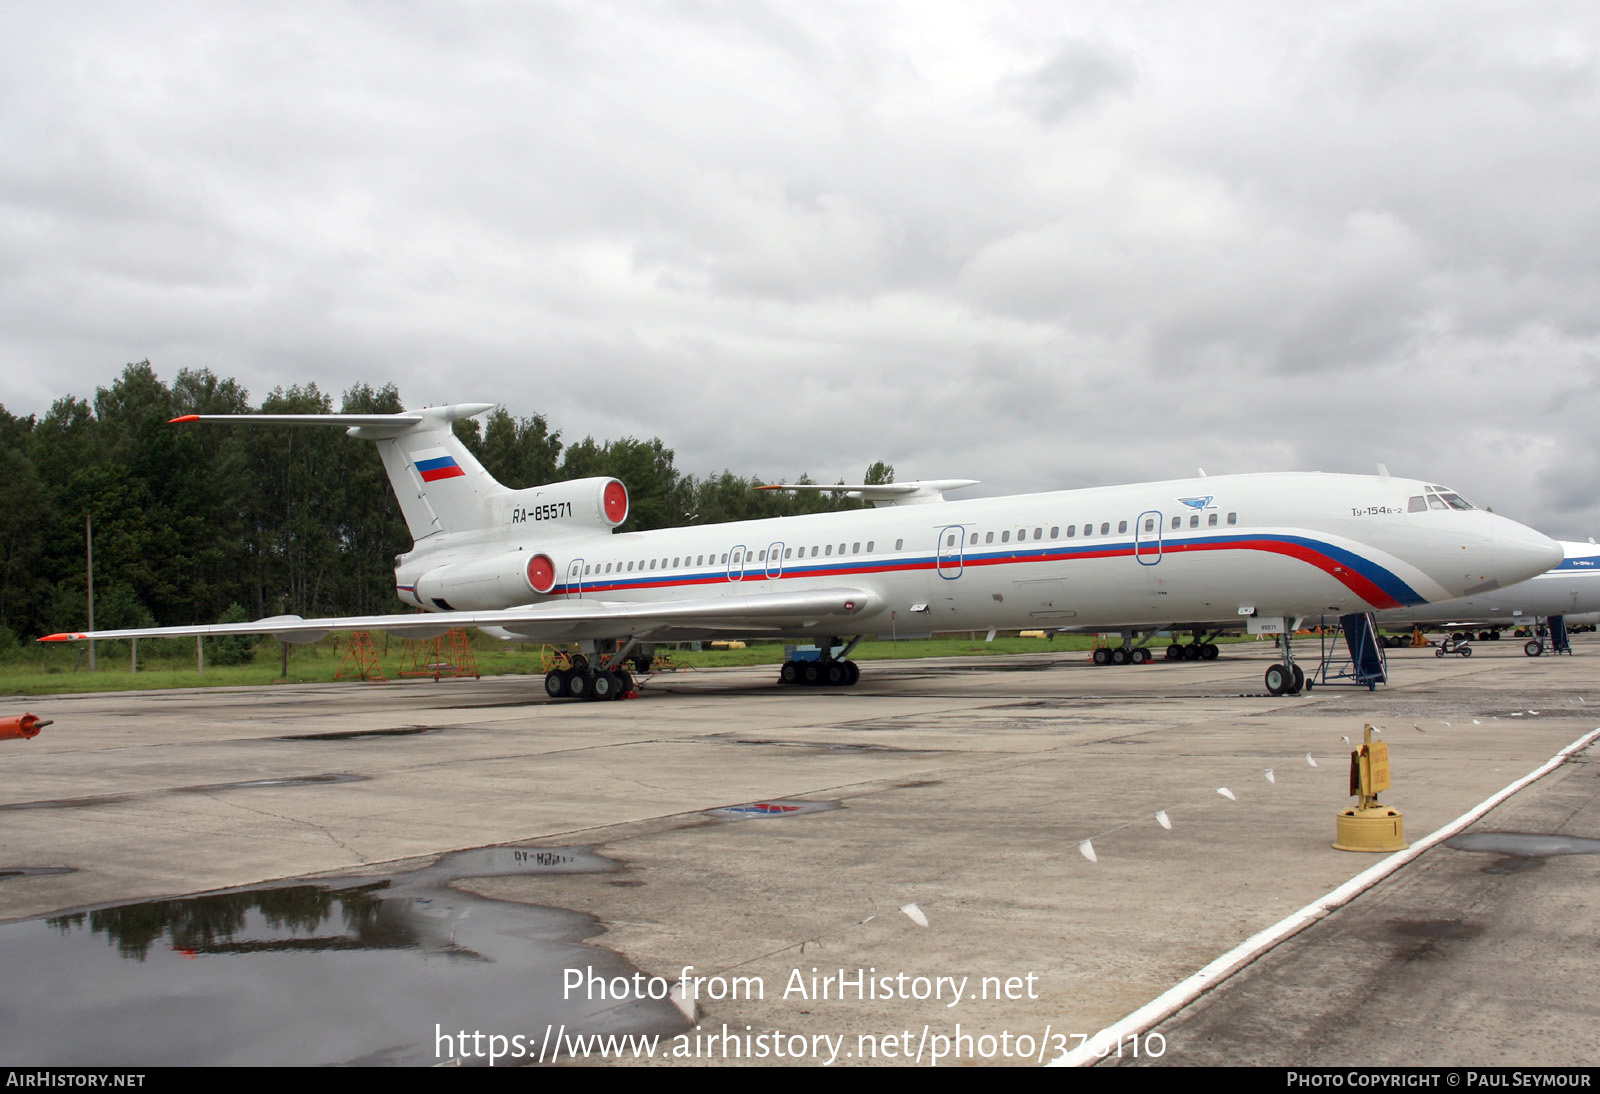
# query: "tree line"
192,523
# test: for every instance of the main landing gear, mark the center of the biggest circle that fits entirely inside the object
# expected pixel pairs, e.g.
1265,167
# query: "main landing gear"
1123,655
839,674
1193,651
580,679
828,670
1202,648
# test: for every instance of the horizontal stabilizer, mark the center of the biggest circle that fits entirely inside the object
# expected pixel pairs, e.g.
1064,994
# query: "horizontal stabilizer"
438,483
370,426
887,493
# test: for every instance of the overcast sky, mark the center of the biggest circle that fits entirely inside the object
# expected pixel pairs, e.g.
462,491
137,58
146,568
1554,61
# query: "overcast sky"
1038,244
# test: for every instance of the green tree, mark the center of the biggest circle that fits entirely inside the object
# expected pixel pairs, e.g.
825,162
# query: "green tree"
30,524
370,527
645,468
520,452
62,440
210,497
232,649
293,524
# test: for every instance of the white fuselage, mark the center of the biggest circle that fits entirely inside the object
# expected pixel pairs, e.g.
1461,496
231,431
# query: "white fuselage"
1206,550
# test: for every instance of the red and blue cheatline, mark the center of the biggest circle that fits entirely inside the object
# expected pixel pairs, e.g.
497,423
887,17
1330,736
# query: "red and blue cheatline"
436,464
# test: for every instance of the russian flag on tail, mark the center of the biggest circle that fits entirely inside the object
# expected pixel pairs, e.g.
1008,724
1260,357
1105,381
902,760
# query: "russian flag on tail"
434,464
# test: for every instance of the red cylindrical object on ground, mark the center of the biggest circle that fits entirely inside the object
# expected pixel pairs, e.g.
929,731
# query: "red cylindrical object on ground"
23,727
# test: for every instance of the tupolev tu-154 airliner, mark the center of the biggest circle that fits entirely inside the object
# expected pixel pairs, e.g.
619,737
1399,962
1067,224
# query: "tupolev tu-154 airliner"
545,564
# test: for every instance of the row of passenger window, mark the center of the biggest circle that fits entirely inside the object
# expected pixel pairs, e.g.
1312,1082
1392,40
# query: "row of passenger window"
828,550
1089,529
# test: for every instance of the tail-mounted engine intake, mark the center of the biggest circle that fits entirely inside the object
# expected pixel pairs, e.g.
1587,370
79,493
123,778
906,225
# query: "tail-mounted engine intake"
487,583
583,504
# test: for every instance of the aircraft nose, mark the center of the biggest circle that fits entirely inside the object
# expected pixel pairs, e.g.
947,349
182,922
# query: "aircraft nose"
1499,552
1520,553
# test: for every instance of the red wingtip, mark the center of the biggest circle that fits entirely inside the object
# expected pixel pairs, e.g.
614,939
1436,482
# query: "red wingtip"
61,637
184,418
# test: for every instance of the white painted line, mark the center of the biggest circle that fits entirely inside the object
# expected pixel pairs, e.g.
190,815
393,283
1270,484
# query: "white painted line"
1187,991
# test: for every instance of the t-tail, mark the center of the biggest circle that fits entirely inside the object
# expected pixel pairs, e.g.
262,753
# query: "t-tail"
440,486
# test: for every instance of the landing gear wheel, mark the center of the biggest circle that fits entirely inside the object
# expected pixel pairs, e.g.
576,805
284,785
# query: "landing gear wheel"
1209,652
580,685
812,673
1534,648
624,682
1119,656
1191,652
1278,679
1299,679
853,672
1173,654
836,674
1141,656
790,673
555,683
603,687
1102,657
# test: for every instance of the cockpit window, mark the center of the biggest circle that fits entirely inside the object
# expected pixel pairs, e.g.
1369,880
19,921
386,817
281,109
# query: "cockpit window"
1419,504
1440,498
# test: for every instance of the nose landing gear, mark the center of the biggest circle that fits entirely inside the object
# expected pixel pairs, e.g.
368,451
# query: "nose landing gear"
1286,678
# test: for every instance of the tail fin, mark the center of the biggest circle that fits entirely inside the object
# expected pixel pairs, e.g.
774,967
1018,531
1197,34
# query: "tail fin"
438,483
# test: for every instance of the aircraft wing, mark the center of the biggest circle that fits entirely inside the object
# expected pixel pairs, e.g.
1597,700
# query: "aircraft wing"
556,620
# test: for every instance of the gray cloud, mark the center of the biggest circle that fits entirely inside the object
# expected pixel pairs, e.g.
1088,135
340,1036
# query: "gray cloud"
1024,243
1076,77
